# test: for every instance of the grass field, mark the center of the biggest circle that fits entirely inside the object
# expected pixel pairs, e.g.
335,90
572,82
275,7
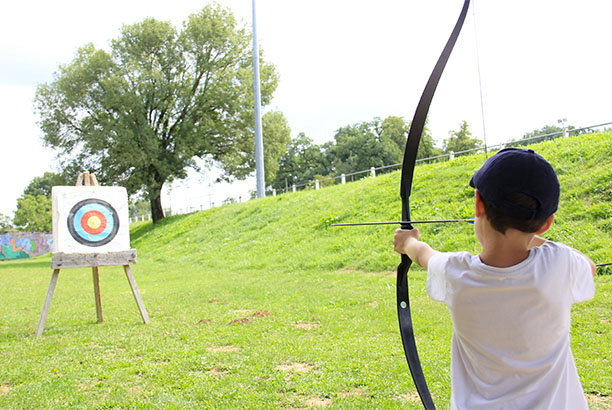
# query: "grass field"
263,305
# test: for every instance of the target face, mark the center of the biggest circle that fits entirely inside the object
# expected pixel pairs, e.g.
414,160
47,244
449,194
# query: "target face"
93,222
90,219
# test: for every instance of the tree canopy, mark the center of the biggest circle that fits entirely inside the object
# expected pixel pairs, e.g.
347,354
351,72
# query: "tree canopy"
139,115
42,185
33,213
461,140
300,163
5,223
355,147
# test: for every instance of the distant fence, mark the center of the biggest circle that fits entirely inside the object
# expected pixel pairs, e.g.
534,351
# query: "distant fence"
20,245
371,172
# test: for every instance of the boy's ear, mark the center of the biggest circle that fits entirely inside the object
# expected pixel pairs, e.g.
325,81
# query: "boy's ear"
479,209
546,226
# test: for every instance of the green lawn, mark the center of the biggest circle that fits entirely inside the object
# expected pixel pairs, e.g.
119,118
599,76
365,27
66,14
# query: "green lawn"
263,305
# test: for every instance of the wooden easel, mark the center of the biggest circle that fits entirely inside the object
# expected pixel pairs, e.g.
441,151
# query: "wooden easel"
95,260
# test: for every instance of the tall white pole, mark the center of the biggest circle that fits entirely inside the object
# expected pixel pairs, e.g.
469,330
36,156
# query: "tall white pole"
259,157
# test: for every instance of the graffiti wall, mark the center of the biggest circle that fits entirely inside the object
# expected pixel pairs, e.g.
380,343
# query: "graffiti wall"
19,245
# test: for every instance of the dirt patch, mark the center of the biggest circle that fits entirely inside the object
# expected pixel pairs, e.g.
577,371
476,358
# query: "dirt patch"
387,273
213,300
599,399
243,320
352,393
262,313
373,304
306,325
295,367
5,389
413,397
135,390
318,402
242,311
204,321
217,349
215,372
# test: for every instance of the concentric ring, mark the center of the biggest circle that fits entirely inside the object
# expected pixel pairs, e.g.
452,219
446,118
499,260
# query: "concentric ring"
93,222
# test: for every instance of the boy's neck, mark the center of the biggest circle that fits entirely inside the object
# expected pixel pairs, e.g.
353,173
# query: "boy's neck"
504,250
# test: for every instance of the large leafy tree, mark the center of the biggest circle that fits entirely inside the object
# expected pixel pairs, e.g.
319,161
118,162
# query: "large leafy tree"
140,115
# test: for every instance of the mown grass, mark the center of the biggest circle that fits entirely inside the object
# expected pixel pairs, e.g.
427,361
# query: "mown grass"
263,305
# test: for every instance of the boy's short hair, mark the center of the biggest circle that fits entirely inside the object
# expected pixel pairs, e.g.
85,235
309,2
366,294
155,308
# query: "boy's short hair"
519,188
500,221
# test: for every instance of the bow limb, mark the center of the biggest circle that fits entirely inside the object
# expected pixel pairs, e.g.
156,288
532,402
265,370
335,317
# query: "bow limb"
410,155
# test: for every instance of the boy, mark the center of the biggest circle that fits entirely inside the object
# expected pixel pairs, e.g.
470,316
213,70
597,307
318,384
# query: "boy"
510,305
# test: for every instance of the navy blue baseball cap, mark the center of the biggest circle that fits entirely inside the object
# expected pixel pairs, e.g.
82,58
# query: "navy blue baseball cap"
515,170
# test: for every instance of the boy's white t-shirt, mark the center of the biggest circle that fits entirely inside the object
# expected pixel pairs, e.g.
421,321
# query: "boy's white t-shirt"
510,346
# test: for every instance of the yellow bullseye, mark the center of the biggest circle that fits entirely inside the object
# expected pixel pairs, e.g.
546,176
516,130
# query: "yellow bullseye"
94,222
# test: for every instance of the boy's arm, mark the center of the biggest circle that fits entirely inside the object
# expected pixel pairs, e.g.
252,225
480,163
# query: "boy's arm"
407,242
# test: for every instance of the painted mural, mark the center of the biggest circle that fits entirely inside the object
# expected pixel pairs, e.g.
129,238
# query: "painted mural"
20,245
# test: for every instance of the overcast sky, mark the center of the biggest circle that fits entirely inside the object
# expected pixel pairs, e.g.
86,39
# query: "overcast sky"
342,62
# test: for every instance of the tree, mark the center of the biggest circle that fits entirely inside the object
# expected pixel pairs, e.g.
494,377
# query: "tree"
140,115
548,132
5,223
368,144
34,206
461,140
300,163
42,185
276,136
33,213
139,208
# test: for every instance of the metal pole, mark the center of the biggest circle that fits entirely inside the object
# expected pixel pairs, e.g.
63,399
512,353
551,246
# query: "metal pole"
259,157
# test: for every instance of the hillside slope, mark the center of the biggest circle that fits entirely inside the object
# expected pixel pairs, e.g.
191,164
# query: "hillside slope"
291,231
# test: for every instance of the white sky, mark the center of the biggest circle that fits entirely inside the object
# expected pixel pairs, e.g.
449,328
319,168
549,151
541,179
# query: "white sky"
340,62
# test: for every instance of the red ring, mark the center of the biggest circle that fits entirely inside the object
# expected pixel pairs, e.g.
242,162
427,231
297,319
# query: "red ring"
89,229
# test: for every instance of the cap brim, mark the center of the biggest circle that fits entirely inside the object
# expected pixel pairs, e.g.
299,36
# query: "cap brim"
472,182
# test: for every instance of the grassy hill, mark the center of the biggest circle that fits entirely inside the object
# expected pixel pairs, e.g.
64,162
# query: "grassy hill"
265,305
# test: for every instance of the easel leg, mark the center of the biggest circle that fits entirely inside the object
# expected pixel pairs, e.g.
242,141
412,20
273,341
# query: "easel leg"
96,283
141,307
47,305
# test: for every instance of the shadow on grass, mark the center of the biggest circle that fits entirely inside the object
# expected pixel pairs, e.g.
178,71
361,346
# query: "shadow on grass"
141,229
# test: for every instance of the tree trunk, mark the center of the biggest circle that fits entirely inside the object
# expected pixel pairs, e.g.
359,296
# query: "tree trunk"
157,212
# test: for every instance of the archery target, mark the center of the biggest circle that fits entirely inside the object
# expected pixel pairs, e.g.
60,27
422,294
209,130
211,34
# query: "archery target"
90,219
93,222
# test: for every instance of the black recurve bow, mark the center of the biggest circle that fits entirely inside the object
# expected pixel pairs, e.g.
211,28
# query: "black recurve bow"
410,156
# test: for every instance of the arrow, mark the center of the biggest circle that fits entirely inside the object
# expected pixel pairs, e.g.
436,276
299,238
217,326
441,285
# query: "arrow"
436,221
